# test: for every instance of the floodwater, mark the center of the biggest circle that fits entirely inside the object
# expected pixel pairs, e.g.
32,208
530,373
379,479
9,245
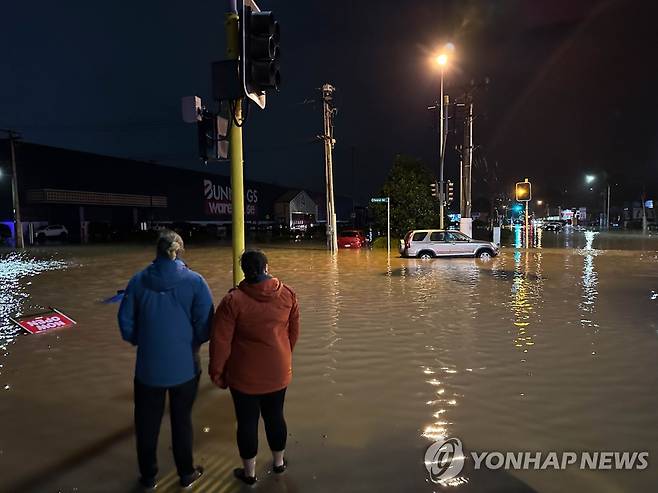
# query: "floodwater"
552,349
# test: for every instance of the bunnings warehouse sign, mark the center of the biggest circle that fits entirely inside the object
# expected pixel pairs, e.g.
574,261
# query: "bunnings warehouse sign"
217,200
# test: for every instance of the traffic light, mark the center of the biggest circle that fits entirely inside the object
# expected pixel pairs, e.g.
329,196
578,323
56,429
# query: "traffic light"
450,192
212,130
434,187
260,52
523,191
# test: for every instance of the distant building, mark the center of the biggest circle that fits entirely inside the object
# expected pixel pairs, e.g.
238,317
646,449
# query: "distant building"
81,190
296,209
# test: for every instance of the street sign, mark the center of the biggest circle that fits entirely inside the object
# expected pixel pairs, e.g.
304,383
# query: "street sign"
41,322
387,201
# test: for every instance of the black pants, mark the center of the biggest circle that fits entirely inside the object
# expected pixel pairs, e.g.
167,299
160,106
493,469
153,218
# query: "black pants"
149,407
248,409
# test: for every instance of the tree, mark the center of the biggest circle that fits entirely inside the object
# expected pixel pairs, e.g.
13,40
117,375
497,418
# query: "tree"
412,204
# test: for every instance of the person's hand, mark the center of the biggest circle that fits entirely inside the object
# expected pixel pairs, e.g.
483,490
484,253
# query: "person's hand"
219,381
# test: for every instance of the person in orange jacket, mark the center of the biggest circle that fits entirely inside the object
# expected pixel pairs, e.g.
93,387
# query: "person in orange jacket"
253,335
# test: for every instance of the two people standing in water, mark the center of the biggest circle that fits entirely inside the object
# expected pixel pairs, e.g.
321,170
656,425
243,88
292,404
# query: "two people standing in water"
167,312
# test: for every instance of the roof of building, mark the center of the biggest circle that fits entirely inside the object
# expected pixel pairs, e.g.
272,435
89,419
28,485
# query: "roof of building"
288,196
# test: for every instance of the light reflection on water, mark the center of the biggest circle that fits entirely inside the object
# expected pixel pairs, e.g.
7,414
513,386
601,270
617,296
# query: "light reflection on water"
16,271
525,297
589,283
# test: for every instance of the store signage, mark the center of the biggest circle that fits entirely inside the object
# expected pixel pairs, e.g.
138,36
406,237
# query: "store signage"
217,199
44,321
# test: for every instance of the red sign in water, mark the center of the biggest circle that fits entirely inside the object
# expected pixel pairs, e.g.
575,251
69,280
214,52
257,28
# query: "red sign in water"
36,324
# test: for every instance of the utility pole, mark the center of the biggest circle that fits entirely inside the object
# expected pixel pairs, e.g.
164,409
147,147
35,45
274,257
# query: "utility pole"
442,105
466,223
329,142
353,191
235,142
18,225
442,147
607,214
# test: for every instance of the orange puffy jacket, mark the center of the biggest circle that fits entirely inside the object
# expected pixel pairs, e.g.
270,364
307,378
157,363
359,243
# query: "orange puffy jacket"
253,334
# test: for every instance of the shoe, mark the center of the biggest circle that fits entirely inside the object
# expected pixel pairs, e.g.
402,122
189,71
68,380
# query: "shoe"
239,473
148,483
280,469
190,479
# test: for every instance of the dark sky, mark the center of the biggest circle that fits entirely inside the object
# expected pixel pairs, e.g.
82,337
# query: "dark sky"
573,85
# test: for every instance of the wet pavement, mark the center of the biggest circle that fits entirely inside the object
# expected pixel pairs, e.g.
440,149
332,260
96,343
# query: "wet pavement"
548,349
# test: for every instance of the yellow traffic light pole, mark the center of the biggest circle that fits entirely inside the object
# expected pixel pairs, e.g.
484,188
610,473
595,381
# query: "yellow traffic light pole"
523,193
527,231
235,150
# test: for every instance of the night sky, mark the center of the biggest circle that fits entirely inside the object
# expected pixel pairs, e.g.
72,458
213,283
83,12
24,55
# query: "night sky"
573,86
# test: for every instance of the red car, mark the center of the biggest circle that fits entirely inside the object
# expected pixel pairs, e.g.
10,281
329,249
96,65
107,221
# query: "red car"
351,239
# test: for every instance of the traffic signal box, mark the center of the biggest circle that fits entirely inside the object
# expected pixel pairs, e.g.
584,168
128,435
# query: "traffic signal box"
523,191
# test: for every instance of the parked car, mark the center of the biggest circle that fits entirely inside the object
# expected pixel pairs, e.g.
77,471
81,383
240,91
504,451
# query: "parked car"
430,243
351,239
552,226
52,232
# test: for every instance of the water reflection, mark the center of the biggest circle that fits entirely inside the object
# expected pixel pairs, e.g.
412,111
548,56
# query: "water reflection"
537,237
16,268
518,236
440,286
525,295
333,295
589,283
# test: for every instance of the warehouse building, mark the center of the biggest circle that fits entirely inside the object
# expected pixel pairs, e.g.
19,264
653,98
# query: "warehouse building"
86,192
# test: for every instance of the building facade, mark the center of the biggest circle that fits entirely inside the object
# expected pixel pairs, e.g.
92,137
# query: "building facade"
79,190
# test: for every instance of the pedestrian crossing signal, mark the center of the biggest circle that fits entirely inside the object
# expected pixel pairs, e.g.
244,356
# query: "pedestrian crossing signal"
523,191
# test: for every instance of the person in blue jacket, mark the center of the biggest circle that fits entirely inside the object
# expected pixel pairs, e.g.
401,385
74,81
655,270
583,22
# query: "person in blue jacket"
166,312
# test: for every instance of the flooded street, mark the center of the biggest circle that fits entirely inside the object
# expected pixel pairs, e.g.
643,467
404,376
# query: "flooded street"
552,349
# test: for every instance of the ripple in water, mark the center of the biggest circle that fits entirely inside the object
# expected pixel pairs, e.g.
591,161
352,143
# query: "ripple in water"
15,268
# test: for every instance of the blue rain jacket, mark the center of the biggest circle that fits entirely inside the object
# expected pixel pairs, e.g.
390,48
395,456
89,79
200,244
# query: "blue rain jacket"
166,312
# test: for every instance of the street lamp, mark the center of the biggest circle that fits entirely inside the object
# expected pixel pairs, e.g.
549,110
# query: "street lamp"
442,61
589,179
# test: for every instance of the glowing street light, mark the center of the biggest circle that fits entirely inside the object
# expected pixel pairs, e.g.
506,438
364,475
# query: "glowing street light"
442,61
540,202
589,179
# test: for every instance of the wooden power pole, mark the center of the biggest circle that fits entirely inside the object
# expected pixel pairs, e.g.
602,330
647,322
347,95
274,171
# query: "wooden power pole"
328,137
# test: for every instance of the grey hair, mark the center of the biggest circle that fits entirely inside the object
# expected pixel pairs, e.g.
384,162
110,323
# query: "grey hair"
170,244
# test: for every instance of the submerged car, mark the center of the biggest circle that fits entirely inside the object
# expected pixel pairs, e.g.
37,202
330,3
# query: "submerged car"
431,243
351,239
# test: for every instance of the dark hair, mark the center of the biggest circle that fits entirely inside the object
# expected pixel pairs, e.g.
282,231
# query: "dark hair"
170,244
253,264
